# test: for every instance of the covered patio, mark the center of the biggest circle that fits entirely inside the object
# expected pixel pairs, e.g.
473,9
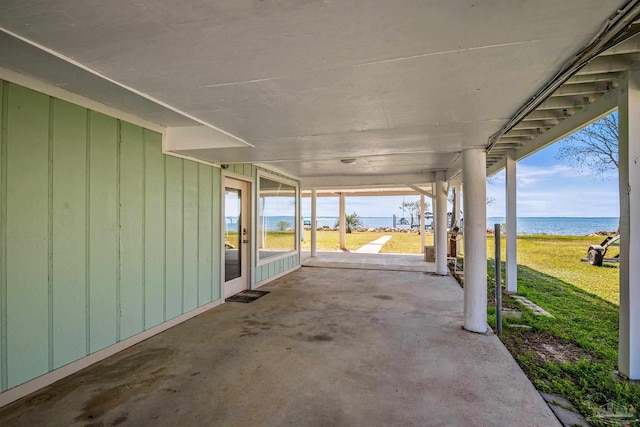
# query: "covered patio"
326,346
134,134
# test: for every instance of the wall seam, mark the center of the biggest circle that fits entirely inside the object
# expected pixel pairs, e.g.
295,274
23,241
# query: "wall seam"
144,231
87,236
118,254
164,237
213,224
50,230
198,241
4,98
183,245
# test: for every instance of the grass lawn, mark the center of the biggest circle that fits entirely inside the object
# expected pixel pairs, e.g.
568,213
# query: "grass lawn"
574,353
559,256
281,240
399,243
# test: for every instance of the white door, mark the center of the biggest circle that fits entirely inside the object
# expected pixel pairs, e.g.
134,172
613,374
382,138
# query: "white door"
237,245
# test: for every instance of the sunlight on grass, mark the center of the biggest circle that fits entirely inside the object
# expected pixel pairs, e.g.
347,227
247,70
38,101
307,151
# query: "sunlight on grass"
559,257
406,243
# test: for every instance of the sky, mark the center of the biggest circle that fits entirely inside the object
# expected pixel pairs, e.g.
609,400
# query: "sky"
546,187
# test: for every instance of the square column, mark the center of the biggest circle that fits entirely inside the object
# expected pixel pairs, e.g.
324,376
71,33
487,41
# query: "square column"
512,226
474,176
629,175
440,229
314,220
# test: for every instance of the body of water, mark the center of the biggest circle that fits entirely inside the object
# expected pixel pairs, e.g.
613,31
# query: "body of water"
563,226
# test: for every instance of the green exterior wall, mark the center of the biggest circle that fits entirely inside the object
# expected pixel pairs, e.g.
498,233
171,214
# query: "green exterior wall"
101,235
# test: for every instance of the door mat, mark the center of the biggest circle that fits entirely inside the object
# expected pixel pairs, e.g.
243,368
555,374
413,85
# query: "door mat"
246,296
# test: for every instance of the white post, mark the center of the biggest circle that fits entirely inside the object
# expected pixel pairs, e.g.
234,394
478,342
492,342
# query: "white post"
342,225
314,220
456,205
440,228
422,222
475,239
629,173
512,226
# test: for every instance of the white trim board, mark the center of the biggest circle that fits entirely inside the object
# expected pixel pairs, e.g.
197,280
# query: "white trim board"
74,98
277,276
49,378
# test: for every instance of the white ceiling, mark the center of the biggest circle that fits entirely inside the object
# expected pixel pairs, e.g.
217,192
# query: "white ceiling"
400,86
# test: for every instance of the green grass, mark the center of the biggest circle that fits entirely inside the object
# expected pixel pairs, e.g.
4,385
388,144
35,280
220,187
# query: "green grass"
575,353
280,240
407,243
559,257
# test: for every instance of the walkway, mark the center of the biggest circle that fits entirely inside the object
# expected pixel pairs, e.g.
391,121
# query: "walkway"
373,247
326,347
352,260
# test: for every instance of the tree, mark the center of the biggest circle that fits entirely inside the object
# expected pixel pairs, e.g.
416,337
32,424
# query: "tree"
282,225
413,209
593,149
351,221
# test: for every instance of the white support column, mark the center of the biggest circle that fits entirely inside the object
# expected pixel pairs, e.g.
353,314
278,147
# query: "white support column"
456,205
314,220
440,213
512,226
422,223
457,197
342,225
474,177
629,173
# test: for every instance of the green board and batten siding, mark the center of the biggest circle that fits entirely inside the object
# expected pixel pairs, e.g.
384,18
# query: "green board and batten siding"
101,235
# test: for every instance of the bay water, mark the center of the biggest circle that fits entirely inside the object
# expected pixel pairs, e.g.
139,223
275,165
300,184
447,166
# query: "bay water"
563,226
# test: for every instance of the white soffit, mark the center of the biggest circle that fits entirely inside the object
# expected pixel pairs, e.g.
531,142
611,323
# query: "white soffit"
313,82
183,139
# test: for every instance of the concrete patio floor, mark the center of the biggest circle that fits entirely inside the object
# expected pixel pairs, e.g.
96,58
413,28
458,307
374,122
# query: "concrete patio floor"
327,347
368,261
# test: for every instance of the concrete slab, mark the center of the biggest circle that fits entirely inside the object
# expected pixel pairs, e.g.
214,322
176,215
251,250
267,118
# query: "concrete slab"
368,261
373,247
336,347
565,411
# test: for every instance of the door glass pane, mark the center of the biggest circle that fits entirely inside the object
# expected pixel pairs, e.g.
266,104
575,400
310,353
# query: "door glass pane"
232,233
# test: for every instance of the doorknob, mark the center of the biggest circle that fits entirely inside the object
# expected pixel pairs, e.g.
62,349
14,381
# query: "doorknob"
244,231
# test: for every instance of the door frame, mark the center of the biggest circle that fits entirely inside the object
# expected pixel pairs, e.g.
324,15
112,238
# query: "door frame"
250,233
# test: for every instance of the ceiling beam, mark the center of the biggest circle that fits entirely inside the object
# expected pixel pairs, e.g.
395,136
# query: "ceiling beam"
564,102
592,78
354,181
420,190
609,64
629,46
583,88
589,114
522,133
536,124
550,114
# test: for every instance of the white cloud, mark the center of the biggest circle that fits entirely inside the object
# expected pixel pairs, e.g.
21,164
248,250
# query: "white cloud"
531,175
557,190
